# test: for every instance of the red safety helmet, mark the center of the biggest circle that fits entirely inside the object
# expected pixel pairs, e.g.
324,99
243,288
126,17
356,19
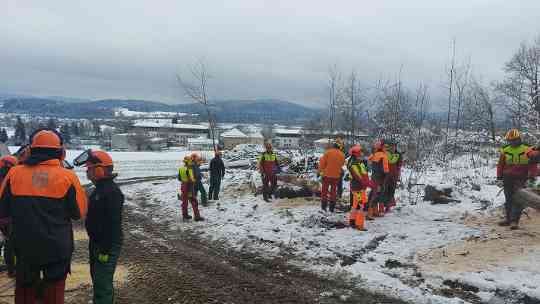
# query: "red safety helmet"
8,161
355,151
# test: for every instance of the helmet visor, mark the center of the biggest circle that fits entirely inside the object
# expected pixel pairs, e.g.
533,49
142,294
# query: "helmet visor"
83,158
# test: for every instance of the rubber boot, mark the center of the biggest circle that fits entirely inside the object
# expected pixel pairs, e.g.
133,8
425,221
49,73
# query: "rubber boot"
514,226
504,223
359,221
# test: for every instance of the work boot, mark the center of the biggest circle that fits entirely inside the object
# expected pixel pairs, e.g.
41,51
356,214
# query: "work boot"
504,223
332,207
186,217
199,219
370,216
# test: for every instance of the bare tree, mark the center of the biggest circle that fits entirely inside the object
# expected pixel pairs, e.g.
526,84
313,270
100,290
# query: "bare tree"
522,86
333,86
479,111
450,96
198,91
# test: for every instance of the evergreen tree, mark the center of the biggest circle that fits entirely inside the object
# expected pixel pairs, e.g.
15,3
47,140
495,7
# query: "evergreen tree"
3,136
52,124
20,132
66,134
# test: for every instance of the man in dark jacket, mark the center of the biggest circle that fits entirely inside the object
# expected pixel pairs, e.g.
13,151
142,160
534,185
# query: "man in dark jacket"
42,198
199,187
103,224
6,163
217,172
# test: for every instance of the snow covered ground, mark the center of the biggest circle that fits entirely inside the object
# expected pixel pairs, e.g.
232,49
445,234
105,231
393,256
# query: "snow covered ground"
411,253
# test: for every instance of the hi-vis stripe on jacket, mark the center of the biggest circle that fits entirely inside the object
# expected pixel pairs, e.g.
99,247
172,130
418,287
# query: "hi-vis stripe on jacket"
42,200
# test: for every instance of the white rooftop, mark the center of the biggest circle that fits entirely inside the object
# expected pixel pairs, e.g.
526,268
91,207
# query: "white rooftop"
167,124
234,133
287,131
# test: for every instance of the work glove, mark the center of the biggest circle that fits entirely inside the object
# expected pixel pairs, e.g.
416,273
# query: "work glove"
103,258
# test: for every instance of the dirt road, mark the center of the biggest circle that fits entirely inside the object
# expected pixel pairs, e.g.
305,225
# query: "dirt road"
167,266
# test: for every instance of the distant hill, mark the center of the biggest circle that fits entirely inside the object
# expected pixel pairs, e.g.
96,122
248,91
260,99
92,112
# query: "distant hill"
256,111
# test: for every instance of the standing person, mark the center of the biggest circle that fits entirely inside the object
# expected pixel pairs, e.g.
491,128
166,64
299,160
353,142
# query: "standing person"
196,161
380,169
42,198
6,163
341,147
187,189
513,170
268,167
217,172
103,224
330,168
395,161
359,183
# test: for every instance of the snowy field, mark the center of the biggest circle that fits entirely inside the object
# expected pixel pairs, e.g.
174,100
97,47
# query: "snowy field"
420,252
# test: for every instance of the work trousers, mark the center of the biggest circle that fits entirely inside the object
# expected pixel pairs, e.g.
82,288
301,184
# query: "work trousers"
215,185
513,208
329,192
102,274
200,188
41,281
188,196
269,185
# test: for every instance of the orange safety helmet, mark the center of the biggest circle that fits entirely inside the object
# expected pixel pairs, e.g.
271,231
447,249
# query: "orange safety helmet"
512,134
355,151
46,138
8,161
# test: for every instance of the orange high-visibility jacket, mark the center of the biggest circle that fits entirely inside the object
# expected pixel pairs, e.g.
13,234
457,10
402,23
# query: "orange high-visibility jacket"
42,200
331,163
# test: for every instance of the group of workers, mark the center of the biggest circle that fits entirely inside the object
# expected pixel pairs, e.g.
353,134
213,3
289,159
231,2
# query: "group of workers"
190,177
385,162
39,199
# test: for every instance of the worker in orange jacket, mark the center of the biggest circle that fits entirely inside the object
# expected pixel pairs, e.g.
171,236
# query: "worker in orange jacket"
514,169
330,169
380,169
42,198
359,183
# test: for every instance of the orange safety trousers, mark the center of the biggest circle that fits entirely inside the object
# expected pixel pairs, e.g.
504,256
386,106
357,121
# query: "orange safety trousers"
356,217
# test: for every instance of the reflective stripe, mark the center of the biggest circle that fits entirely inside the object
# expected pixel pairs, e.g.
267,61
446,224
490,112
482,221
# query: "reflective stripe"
185,174
268,157
516,155
359,168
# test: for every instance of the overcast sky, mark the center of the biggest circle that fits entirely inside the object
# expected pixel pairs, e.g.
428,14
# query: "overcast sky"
254,49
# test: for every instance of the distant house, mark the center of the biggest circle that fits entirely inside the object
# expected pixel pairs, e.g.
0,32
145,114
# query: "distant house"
232,138
255,138
200,144
137,142
174,132
287,138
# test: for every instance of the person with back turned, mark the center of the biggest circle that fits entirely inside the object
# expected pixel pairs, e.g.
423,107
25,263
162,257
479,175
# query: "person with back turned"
42,198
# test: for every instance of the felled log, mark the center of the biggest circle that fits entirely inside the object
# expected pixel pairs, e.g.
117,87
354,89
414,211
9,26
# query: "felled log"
439,196
289,186
528,197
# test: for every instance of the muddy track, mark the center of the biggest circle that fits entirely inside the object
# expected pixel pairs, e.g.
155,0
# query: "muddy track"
168,266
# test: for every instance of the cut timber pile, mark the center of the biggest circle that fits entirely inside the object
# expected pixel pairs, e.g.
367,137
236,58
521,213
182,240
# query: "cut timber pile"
528,197
289,186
